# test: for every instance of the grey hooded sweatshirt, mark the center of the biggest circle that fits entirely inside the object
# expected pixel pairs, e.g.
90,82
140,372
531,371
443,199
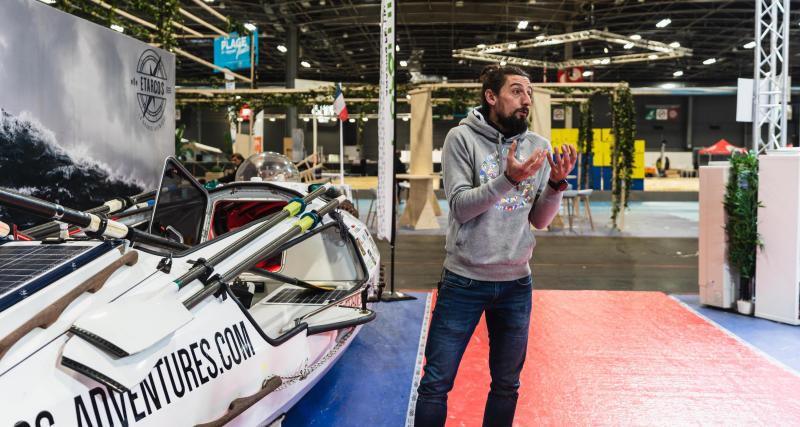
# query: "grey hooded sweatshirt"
489,235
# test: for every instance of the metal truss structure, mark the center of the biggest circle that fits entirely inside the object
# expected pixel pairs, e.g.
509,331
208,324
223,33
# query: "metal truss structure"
657,50
771,75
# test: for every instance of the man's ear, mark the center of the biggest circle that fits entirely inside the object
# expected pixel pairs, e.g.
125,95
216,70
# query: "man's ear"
491,98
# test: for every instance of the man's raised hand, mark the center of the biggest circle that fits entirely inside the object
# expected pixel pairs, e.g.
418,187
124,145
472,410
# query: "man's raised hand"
564,162
520,170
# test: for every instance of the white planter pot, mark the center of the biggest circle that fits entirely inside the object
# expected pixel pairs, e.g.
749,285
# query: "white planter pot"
744,307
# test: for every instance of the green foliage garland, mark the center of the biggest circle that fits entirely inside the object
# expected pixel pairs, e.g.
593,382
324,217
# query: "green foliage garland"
741,226
585,139
624,129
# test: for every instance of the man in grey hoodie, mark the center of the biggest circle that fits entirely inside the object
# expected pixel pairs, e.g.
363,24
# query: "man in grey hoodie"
497,184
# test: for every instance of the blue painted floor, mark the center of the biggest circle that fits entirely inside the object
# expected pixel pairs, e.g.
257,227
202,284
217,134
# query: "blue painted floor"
778,340
371,383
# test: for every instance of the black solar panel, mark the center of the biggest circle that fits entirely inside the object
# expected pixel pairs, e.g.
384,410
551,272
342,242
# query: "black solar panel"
303,296
28,267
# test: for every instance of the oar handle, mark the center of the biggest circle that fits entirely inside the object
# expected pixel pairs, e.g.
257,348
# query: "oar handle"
45,209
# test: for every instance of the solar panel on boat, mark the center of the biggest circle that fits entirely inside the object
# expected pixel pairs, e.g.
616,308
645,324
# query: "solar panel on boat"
27,267
302,296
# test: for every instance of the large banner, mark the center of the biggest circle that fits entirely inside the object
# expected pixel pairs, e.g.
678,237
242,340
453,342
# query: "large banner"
386,122
86,113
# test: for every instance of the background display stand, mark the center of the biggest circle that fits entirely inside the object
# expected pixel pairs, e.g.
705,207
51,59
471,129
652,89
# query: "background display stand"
422,208
718,286
777,294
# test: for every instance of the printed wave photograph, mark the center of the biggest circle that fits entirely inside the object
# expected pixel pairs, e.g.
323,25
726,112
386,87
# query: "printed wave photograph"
34,163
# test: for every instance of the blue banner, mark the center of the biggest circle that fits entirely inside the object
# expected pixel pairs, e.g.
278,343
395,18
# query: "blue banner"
233,52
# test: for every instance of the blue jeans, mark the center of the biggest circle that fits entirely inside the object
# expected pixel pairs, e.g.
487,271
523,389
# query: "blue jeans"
459,306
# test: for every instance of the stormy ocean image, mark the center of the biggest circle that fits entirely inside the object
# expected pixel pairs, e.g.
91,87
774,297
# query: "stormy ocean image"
32,162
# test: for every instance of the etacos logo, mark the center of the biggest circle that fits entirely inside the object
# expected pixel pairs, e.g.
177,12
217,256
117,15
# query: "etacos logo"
151,86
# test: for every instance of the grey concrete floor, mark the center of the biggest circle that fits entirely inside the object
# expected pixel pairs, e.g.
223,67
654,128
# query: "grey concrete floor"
578,262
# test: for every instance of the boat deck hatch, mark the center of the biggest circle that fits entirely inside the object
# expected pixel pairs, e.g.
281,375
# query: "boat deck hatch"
304,296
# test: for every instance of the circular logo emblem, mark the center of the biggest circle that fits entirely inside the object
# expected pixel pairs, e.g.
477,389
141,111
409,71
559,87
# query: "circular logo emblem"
151,89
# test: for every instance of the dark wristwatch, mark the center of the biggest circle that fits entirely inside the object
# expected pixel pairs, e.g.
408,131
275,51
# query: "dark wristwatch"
558,185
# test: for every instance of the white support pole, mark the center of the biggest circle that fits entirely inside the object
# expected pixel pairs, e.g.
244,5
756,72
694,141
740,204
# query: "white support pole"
314,133
341,152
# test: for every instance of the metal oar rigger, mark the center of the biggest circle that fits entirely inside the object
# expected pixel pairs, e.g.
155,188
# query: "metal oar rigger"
167,313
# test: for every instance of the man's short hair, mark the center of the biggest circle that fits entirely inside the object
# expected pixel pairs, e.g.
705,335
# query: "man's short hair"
493,77
237,156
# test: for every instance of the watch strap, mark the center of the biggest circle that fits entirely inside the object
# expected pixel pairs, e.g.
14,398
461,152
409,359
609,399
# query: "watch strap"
560,185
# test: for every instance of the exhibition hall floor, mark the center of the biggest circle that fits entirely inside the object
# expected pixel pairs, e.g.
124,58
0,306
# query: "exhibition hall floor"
618,337
594,358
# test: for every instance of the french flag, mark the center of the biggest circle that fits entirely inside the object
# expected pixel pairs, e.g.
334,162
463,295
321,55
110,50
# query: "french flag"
339,106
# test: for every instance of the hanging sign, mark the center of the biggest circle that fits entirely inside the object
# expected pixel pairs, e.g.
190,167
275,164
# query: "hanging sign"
233,52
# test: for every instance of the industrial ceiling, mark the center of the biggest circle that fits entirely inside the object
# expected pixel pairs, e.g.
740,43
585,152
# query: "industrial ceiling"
339,41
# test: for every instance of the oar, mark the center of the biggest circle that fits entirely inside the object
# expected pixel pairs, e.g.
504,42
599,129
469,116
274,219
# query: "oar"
109,207
305,223
102,327
140,325
87,221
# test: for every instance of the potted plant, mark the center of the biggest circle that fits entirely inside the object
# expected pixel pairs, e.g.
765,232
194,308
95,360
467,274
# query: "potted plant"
741,225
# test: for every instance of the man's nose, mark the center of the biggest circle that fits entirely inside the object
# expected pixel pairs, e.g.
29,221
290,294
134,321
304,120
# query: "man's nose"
526,99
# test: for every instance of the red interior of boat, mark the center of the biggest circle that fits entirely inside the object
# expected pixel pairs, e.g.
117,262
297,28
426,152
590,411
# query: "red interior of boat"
231,214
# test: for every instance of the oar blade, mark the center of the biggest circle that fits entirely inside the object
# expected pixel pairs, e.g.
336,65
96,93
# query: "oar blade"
133,324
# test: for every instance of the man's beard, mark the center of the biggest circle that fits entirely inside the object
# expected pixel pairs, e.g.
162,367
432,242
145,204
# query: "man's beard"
512,124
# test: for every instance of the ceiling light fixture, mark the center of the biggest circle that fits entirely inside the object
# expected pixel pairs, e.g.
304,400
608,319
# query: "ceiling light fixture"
281,48
48,1
503,63
404,63
674,45
635,37
512,46
588,73
605,61
628,46
397,48
481,46
669,85
365,119
663,23
750,45
117,28
709,61
305,64
351,120
250,27
652,56
677,73
522,25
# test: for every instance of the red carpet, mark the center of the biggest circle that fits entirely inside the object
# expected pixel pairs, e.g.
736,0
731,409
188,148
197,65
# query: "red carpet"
629,359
